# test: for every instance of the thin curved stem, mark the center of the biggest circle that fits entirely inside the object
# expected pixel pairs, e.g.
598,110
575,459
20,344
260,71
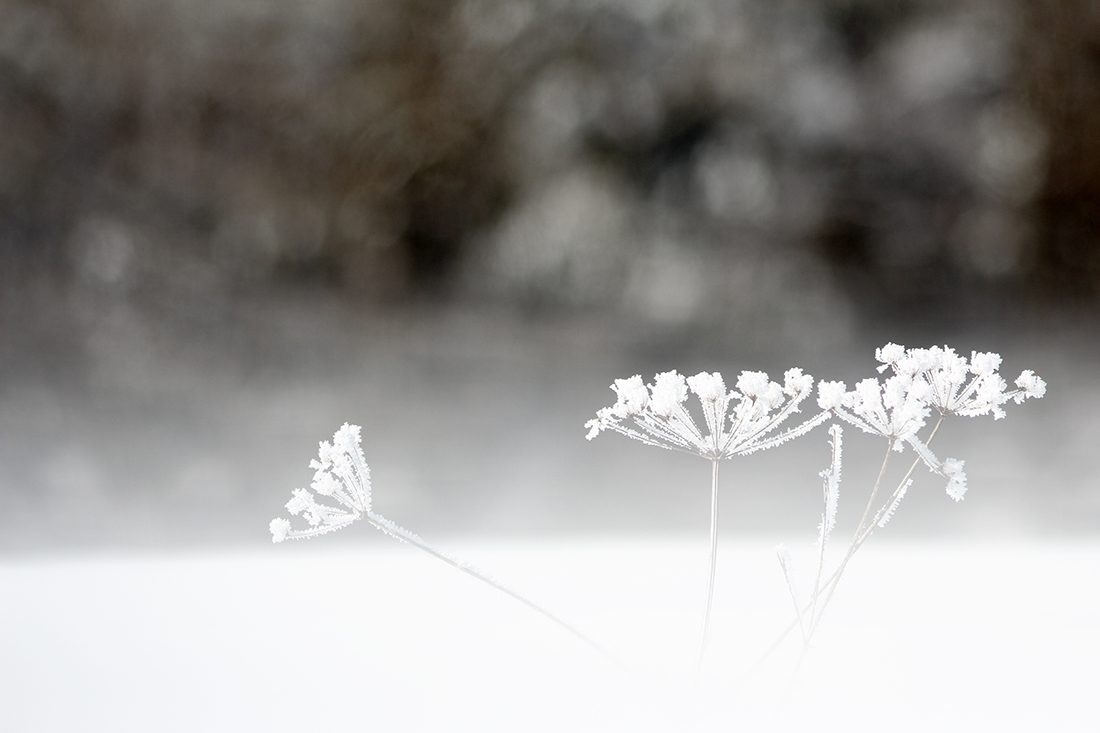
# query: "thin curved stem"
901,486
713,564
400,533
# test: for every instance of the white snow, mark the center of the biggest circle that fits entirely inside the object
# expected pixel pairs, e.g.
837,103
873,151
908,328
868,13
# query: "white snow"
921,636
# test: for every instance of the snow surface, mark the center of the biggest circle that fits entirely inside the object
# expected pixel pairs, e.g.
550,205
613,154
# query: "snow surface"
922,635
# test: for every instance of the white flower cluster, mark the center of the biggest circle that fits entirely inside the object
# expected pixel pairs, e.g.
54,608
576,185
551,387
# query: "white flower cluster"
895,410
923,380
946,375
342,474
657,414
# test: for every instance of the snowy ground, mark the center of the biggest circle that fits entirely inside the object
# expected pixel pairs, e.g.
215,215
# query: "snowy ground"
922,635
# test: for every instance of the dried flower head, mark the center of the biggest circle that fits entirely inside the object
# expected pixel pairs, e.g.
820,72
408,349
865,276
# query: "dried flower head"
895,410
736,421
340,473
924,380
959,387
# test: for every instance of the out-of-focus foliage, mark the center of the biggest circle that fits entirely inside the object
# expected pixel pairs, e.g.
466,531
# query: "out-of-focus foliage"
756,164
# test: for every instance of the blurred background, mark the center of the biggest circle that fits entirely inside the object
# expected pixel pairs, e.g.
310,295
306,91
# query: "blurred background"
229,226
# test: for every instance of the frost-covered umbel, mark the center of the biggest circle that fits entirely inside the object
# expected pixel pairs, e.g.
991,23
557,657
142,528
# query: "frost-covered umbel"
657,414
924,380
341,474
951,389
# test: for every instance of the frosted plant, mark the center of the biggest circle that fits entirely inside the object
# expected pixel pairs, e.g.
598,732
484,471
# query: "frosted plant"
924,381
657,415
737,422
952,392
896,410
341,474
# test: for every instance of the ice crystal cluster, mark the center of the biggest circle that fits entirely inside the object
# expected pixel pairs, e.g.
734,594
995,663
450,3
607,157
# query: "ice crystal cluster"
924,380
950,389
341,474
658,415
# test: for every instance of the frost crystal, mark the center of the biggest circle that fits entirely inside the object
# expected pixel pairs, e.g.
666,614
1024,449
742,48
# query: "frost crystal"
736,422
831,484
924,380
894,410
280,529
956,479
340,473
894,504
1030,386
959,387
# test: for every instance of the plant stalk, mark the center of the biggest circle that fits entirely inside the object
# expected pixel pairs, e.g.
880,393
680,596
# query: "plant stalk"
862,534
404,535
713,564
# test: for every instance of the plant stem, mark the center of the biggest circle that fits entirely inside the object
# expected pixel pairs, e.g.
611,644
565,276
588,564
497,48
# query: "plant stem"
831,586
862,534
901,486
831,483
713,564
400,533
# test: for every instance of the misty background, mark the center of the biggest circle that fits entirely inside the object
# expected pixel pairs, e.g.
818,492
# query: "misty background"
227,227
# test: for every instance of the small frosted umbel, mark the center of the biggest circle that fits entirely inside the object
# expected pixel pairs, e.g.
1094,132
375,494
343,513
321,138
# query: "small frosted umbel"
926,381
341,474
736,422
